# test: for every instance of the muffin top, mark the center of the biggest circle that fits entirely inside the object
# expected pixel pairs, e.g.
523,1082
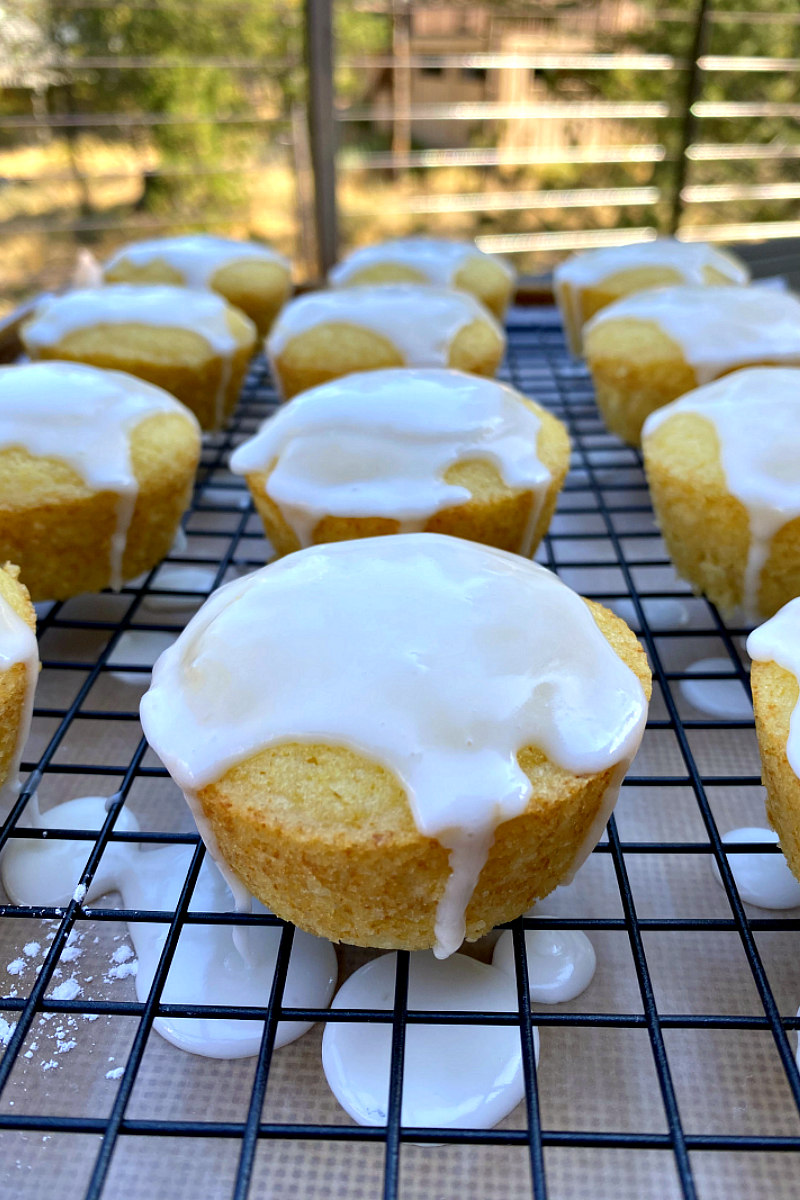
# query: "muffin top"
203,312
437,658
778,641
715,327
689,259
196,255
380,444
437,259
420,321
80,414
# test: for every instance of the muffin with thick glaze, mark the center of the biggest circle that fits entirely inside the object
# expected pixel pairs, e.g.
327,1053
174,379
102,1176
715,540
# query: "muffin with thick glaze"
96,470
191,343
722,465
436,261
399,742
405,450
775,676
648,349
325,335
592,279
249,275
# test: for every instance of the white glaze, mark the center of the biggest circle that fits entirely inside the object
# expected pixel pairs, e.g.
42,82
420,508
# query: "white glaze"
756,416
689,260
438,260
717,328
379,444
204,313
454,1076
724,698
208,967
763,880
197,256
84,417
18,646
137,648
561,962
421,322
778,641
466,654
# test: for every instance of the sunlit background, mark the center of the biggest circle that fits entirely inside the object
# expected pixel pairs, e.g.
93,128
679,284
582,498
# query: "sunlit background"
537,127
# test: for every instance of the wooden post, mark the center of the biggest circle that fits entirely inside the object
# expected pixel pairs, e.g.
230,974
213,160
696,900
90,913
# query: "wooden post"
322,128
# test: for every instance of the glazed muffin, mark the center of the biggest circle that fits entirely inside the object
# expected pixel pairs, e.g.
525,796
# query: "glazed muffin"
96,469
19,668
722,465
399,742
191,343
326,335
248,275
651,348
593,279
775,650
436,261
400,451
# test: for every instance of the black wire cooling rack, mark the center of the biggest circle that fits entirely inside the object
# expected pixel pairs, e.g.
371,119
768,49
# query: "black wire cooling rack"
674,1074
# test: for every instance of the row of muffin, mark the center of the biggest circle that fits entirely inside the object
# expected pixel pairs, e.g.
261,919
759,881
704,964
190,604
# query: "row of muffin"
722,459
453,447
504,438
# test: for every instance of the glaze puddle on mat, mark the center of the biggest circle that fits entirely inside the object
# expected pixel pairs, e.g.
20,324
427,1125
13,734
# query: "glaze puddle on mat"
212,965
763,880
455,1076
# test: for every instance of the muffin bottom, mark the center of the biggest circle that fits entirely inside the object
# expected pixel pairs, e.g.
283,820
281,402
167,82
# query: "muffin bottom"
775,695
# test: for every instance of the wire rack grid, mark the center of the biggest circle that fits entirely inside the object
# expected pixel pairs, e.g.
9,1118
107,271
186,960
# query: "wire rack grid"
673,1075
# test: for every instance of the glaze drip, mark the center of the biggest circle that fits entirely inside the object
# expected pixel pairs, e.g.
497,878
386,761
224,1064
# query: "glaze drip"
379,444
196,255
756,415
437,259
717,328
84,417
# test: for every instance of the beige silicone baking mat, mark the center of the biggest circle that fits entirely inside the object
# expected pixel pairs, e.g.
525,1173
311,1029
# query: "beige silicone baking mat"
672,1075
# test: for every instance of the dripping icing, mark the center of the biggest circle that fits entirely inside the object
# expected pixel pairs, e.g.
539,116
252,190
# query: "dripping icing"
590,268
717,328
395,617
421,322
84,417
379,444
756,415
196,255
438,259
